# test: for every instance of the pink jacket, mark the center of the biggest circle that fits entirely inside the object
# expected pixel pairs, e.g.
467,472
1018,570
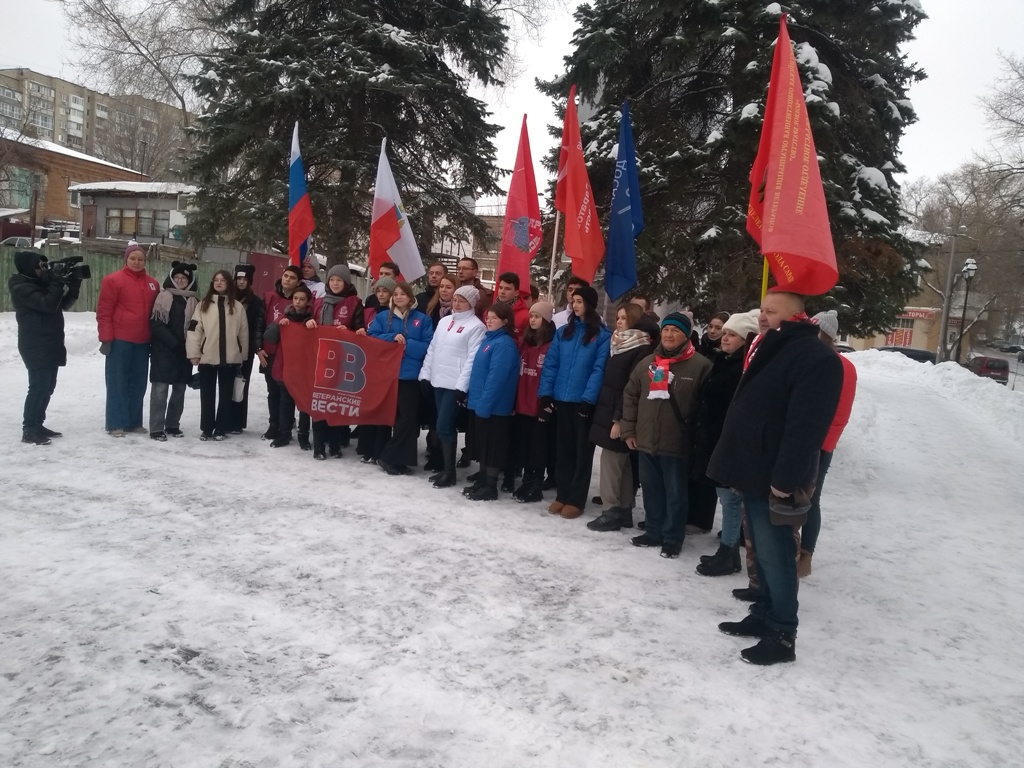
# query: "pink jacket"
124,306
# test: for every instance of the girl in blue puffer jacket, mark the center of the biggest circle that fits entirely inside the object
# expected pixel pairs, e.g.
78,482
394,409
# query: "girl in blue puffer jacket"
492,394
405,325
570,383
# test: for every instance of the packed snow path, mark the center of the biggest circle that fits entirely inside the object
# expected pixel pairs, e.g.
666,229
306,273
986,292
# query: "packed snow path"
225,604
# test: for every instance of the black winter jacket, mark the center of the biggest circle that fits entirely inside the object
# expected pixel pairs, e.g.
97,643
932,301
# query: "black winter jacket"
616,374
256,314
39,304
780,415
715,398
168,362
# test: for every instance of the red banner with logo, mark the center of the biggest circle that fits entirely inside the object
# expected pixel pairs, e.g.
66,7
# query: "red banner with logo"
340,377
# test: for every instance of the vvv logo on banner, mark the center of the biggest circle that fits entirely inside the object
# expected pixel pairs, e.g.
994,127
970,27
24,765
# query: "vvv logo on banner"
339,377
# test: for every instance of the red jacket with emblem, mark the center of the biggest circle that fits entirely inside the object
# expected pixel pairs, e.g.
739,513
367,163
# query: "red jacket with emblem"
532,359
125,303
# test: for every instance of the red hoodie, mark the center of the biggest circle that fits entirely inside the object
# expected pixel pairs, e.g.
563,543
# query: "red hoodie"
531,363
125,303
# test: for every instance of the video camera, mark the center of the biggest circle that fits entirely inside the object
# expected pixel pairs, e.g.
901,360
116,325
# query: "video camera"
70,268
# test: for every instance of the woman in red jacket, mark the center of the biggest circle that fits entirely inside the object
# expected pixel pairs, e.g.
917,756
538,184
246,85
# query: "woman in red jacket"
122,316
534,428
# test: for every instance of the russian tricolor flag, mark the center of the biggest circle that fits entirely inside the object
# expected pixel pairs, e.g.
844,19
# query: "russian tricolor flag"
300,211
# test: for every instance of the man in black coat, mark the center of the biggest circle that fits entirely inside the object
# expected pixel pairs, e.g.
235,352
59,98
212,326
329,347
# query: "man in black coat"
39,299
768,451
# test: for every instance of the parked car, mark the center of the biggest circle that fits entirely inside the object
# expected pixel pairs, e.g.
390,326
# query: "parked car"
920,355
994,342
990,368
843,348
16,242
1009,348
1020,356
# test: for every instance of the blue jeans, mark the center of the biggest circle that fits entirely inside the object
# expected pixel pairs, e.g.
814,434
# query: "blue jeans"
666,504
732,515
775,545
127,367
447,415
811,529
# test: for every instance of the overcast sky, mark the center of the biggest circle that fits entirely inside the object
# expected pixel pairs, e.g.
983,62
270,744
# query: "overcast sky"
957,46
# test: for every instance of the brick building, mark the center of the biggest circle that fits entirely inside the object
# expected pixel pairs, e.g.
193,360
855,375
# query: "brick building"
35,175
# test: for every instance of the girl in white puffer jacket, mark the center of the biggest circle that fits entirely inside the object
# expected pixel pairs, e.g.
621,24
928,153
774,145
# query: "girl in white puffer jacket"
447,366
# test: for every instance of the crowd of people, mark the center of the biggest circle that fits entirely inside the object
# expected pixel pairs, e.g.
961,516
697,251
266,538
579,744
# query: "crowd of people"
745,416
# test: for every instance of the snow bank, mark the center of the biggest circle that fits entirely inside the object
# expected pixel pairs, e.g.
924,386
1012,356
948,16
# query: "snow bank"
226,604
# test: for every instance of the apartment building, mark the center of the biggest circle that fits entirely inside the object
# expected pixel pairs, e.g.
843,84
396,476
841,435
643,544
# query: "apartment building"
128,130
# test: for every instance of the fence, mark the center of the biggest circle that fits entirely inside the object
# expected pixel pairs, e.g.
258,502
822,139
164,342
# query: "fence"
102,262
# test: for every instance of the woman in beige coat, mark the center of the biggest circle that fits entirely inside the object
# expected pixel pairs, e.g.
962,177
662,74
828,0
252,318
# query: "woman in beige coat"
218,342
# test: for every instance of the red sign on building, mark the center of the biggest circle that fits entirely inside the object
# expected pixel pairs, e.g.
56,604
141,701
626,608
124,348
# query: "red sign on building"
900,337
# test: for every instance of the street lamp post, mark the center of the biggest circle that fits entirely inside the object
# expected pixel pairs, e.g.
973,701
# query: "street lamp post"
968,271
943,353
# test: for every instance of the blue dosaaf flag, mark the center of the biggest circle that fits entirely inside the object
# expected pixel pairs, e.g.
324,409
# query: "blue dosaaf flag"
627,216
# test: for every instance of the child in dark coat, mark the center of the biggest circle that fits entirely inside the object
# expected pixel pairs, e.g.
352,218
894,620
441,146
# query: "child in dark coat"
170,369
301,311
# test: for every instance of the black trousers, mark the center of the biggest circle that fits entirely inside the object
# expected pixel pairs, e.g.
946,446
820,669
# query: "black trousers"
286,410
240,411
371,439
532,440
574,459
216,383
273,396
401,448
326,437
41,383
703,497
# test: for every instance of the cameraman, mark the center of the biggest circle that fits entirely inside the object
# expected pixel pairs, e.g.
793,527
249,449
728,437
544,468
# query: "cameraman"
39,300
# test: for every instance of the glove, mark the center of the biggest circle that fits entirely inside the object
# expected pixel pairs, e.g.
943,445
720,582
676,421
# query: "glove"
104,347
546,410
585,410
461,398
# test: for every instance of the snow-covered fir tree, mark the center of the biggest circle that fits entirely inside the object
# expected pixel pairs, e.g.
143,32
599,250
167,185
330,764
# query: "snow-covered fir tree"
696,75
351,72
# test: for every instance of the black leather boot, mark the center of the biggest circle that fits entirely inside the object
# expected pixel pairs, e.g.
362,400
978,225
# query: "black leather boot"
446,477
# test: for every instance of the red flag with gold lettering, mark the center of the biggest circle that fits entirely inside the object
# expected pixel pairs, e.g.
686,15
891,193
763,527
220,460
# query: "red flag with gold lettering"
787,215
339,377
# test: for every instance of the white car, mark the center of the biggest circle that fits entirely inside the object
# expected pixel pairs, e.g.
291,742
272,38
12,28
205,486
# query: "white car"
16,242
62,241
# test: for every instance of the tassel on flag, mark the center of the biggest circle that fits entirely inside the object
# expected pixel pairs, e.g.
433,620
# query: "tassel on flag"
787,215
627,216
575,200
391,237
300,210
521,236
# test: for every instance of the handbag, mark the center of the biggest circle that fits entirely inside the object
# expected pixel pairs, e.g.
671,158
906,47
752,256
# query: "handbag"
791,510
238,393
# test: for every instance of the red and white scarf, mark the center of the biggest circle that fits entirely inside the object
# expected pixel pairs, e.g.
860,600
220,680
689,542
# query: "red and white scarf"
660,374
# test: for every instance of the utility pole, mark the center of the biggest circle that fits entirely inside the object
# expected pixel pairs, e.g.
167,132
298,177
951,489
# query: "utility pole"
943,352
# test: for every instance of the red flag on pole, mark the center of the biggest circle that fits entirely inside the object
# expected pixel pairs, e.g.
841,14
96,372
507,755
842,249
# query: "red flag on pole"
520,239
573,197
787,215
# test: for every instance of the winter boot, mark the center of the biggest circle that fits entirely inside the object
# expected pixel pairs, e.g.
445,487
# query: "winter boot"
775,648
271,432
530,491
160,437
446,477
34,436
610,520
488,490
281,439
464,459
477,479
746,594
304,441
803,563
549,484
435,460
724,562
508,485
49,432
645,541
750,626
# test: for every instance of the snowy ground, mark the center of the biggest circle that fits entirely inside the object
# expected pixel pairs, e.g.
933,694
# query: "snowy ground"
225,604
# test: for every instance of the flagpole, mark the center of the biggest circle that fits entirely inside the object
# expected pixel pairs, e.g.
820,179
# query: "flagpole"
554,250
764,279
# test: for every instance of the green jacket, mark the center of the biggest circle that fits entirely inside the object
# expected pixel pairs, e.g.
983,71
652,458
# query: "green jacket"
654,423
